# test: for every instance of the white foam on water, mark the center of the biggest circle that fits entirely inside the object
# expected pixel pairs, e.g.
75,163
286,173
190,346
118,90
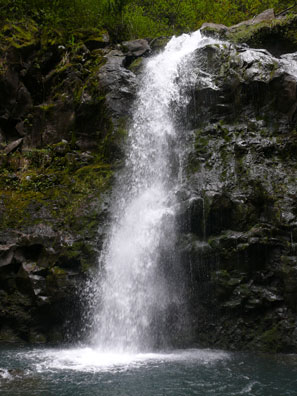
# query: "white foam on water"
5,374
93,360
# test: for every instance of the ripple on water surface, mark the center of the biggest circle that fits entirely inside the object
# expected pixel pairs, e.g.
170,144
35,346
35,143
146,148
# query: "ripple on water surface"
87,371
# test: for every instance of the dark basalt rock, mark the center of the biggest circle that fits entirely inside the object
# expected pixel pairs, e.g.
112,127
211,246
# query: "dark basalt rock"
136,48
119,85
242,86
240,199
38,287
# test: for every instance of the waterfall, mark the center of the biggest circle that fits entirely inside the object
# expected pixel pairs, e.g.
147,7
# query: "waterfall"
139,296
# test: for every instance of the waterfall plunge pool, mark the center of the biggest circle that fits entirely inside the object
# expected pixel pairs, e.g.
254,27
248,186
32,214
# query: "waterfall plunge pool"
86,371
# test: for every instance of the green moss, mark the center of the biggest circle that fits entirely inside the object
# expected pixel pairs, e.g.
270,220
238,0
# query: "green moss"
271,340
58,272
201,144
37,338
16,211
51,36
285,28
273,70
19,34
225,134
225,161
53,185
159,43
86,34
136,65
47,107
200,152
83,252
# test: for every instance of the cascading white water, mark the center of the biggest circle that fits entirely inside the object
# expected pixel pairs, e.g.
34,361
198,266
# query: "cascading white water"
135,291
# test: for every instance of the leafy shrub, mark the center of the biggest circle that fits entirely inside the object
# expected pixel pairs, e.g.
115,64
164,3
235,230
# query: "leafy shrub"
127,19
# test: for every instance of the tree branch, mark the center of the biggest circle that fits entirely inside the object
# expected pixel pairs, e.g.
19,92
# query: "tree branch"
286,10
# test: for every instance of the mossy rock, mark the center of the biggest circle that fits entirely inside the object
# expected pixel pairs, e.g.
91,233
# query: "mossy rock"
279,36
56,182
271,340
136,65
52,37
37,338
159,43
9,336
93,38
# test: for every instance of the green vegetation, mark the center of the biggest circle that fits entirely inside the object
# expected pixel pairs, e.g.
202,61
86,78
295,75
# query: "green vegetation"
56,180
127,19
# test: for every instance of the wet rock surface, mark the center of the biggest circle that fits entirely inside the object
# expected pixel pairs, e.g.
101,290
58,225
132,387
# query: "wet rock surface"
238,210
119,84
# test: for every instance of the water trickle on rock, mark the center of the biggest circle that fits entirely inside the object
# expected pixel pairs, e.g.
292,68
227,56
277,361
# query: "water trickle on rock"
138,296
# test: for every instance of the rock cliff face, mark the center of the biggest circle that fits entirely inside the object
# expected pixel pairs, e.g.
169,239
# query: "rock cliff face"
62,126
63,112
238,220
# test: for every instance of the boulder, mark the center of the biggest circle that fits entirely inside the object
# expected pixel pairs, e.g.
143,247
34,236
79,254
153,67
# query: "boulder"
214,30
134,49
96,41
119,84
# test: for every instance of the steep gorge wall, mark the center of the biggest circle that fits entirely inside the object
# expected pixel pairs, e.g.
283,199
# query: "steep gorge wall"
63,123
238,233
63,112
